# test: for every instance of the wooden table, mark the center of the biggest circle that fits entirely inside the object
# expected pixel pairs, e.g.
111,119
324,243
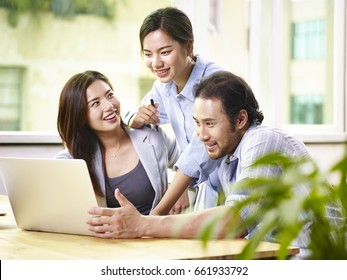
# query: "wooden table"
20,244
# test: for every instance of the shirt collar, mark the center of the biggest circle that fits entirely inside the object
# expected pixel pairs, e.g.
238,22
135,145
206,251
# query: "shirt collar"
196,75
237,152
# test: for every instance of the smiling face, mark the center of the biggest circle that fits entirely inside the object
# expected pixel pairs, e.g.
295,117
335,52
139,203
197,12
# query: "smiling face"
167,58
103,107
214,129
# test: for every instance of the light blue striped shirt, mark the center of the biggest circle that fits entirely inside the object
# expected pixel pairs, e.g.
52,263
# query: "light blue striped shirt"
258,141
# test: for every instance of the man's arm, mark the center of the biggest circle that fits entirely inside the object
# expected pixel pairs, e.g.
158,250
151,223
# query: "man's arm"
127,222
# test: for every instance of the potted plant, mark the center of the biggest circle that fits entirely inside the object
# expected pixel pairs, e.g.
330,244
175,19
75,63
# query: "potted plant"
324,207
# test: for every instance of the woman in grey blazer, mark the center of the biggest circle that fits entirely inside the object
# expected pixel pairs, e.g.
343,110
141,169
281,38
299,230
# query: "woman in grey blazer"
118,157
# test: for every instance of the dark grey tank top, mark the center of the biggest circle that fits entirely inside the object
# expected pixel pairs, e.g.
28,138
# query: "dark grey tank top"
135,186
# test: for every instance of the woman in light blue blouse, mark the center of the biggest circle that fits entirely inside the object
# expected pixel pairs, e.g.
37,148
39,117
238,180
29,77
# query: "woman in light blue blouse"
167,44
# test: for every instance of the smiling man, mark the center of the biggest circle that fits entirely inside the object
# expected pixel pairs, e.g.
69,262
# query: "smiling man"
228,122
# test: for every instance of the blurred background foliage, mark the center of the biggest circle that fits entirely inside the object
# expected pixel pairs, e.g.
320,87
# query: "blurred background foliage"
323,207
63,8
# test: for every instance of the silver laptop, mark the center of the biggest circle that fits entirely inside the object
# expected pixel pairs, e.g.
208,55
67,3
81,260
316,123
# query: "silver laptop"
50,195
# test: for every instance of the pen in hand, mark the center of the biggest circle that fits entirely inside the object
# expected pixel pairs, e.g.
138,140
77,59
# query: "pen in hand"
152,103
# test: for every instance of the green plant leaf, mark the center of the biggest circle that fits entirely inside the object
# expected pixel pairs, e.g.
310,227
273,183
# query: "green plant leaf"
283,206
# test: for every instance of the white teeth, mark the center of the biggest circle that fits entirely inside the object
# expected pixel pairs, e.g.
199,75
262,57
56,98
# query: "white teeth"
161,71
110,117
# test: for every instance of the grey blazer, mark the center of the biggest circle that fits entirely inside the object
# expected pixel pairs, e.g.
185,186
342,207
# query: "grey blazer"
157,152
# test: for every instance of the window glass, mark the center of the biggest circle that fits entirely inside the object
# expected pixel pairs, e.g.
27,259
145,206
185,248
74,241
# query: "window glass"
309,39
11,80
307,109
297,51
53,40
310,86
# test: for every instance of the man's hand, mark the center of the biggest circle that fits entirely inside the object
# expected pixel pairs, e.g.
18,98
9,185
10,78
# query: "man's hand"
122,222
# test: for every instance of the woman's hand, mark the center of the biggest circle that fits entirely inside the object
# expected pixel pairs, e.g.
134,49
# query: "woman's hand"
181,205
146,114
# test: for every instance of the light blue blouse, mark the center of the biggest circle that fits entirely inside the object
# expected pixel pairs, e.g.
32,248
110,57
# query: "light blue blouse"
177,109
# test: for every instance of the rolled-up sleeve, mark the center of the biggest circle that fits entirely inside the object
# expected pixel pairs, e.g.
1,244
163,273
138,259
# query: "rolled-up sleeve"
195,162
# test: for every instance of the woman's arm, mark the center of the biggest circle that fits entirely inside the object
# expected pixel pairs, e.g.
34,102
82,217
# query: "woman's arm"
179,184
181,204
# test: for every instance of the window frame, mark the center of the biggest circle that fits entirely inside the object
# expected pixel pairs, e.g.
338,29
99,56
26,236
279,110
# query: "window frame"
336,132
28,137
308,133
